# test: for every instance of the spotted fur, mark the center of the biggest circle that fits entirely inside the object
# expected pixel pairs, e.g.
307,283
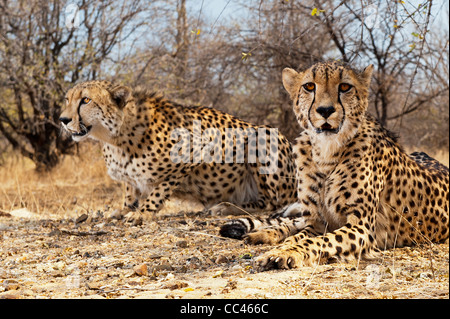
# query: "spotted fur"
136,126
358,191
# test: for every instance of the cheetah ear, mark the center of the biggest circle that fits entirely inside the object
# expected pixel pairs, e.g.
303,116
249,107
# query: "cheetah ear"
121,95
290,81
366,75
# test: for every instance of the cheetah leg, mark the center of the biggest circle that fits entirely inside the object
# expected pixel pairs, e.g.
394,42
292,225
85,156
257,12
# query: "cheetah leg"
155,201
287,221
131,203
347,242
282,224
132,195
299,227
227,208
135,210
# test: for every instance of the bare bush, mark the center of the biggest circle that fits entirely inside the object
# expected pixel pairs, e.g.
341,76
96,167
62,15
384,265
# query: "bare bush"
233,63
43,49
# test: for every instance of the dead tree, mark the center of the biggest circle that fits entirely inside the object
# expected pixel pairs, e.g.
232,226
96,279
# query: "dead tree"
44,48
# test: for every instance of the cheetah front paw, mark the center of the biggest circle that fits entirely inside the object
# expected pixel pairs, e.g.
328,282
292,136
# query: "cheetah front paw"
117,214
134,218
280,259
127,215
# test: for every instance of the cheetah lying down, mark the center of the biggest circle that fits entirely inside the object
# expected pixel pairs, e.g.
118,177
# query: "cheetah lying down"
358,191
158,148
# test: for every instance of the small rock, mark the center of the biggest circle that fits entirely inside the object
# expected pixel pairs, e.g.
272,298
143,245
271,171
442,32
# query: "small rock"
176,285
221,259
94,285
60,265
55,232
141,270
231,285
182,244
162,268
193,261
81,218
9,296
4,214
100,226
22,213
57,273
10,284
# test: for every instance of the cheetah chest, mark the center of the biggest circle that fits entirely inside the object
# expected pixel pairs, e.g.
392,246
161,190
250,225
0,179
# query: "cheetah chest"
122,167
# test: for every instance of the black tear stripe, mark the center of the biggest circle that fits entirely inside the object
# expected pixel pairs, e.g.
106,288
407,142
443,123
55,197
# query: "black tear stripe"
343,108
78,111
83,126
310,107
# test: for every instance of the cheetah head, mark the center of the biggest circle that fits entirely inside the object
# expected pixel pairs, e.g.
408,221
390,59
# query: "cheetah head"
329,98
95,109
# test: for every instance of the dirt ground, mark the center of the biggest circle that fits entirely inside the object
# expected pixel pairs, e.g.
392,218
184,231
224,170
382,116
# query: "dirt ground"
55,242
182,256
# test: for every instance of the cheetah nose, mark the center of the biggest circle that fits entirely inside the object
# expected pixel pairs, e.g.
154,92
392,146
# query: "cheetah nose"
326,111
65,120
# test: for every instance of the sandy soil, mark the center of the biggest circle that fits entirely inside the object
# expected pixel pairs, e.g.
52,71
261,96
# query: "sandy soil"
182,256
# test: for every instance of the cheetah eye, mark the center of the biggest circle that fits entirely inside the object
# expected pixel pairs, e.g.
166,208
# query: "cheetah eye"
85,100
309,86
344,87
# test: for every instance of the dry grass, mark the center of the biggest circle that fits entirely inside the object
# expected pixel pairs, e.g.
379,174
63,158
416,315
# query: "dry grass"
49,256
79,184
440,155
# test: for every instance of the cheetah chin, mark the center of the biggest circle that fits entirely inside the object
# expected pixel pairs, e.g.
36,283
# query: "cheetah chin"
326,128
84,132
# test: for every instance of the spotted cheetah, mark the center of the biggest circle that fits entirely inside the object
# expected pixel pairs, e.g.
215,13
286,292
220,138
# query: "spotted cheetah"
158,147
358,191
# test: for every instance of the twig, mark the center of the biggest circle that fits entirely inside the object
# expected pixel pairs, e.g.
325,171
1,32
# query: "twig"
83,233
431,262
226,5
127,288
210,235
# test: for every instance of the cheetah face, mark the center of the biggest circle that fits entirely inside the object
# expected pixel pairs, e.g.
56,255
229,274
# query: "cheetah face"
329,98
94,109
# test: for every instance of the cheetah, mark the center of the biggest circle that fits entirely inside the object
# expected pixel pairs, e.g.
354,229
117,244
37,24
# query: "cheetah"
358,191
159,148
